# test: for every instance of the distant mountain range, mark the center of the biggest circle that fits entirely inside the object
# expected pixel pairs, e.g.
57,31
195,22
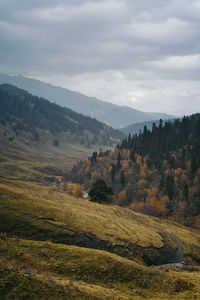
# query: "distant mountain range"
36,119
111,114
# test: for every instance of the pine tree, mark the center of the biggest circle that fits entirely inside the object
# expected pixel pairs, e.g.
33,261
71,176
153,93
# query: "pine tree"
170,186
113,172
100,192
122,178
119,161
194,165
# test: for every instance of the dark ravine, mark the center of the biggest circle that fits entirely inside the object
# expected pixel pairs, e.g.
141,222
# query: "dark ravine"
166,254
149,255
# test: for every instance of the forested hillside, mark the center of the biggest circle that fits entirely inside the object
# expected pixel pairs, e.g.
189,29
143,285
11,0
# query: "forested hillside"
35,117
156,172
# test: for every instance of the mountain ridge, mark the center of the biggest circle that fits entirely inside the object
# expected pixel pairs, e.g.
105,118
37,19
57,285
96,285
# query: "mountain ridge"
107,112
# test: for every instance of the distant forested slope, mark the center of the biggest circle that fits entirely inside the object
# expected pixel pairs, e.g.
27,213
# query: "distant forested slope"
25,113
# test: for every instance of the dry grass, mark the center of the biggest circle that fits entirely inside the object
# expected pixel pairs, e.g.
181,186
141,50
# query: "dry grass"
42,269
25,205
32,269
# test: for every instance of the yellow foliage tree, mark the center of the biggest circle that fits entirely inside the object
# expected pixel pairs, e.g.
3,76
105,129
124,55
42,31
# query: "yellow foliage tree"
143,171
95,175
122,196
137,206
141,184
124,165
77,191
139,159
154,191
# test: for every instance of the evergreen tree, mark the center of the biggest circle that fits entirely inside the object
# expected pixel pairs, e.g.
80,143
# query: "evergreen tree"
170,186
122,178
100,192
119,161
113,172
185,191
194,164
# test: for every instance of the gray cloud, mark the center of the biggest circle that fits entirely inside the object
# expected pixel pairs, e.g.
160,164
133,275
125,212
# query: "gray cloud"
108,48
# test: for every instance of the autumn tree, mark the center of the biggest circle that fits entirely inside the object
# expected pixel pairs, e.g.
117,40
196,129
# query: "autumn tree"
122,196
77,191
155,208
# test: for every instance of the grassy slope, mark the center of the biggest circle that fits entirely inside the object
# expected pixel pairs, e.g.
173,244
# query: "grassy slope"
19,166
21,161
42,270
83,223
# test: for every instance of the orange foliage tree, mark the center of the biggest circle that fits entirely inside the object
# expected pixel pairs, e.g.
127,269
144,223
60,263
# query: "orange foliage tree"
155,208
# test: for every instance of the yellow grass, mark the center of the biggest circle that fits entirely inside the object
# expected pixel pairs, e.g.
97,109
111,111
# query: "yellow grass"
44,270
23,204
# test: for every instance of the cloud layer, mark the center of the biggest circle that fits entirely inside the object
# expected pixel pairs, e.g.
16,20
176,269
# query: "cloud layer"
145,54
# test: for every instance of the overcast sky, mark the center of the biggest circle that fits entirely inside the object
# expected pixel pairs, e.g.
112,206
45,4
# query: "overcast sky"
144,54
